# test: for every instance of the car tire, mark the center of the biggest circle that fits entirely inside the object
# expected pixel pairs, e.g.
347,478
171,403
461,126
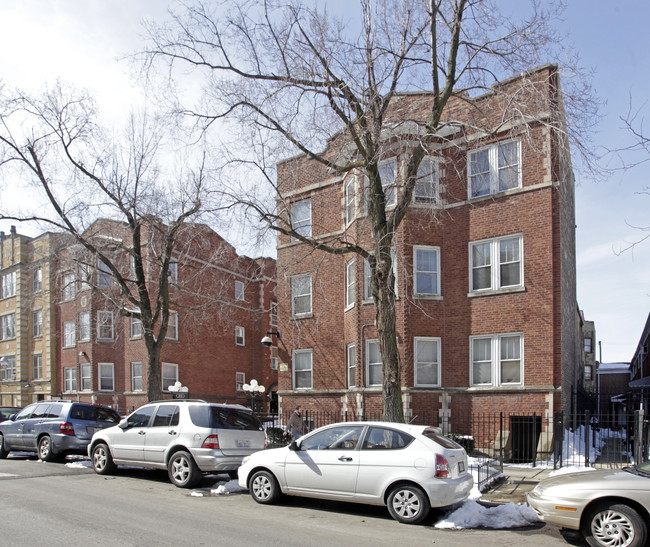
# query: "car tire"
264,487
408,504
45,449
616,524
3,453
182,470
102,460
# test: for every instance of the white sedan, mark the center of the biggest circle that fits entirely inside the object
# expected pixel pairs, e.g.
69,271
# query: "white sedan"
409,468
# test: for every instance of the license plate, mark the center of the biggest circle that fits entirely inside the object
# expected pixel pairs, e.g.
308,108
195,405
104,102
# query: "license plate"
461,468
243,444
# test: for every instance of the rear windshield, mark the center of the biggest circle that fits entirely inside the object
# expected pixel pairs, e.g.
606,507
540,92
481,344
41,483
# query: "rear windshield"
93,414
215,417
443,441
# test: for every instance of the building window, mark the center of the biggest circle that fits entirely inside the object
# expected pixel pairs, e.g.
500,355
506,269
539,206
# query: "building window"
427,362
374,373
106,377
68,286
136,376
84,326
426,266
588,372
426,182
104,325
69,379
274,362
8,326
239,291
37,323
352,365
496,263
301,295
349,284
104,273
136,327
84,277
37,366
172,272
86,377
9,370
588,345
240,336
496,360
301,218
367,280
240,380
303,369
494,168
273,319
388,173
350,209
37,280
169,375
9,285
172,326
69,332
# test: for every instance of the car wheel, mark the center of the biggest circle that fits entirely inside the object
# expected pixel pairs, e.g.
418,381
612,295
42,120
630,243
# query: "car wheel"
102,460
408,504
3,453
264,488
45,449
182,470
616,525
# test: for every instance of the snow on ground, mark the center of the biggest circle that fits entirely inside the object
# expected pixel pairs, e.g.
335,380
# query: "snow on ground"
222,489
472,514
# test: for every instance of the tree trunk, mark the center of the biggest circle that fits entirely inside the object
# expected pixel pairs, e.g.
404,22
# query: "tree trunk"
387,334
154,380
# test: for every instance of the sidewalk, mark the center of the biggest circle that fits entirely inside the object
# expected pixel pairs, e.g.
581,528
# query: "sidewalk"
516,482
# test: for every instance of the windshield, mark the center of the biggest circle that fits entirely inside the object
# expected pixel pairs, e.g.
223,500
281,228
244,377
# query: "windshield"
642,468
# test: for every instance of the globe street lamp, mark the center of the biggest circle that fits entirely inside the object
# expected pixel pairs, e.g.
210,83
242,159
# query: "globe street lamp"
253,388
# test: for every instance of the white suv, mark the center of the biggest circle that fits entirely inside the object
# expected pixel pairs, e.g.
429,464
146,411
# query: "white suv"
187,438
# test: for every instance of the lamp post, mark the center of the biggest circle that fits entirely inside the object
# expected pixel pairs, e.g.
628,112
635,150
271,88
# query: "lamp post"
254,388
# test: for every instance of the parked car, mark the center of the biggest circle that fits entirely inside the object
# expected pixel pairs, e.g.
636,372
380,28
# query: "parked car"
409,468
7,412
609,506
187,438
53,429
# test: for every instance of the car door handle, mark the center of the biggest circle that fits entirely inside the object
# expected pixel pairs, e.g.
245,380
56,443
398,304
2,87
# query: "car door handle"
142,432
172,432
345,459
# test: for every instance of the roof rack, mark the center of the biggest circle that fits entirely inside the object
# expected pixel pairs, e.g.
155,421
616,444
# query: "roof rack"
178,401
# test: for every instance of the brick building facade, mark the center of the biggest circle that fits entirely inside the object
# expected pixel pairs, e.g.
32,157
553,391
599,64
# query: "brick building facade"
484,265
28,339
220,308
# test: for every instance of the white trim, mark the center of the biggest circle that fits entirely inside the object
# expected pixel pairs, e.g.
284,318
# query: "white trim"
310,370
495,361
494,246
437,361
370,342
492,173
436,273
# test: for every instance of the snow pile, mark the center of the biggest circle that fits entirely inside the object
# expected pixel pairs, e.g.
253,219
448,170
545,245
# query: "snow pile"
80,464
474,515
222,489
570,469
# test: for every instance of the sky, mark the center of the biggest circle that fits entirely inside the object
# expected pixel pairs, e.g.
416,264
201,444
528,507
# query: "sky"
85,42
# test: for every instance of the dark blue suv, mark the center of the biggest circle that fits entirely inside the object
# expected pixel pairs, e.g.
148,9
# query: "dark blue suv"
53,429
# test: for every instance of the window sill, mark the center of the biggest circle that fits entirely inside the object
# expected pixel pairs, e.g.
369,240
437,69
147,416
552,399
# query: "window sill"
302,316
496,292
435,297
348,308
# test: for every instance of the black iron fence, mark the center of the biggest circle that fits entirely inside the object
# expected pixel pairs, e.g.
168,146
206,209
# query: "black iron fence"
497,439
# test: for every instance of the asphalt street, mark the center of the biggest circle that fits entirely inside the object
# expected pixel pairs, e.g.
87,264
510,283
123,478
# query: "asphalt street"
59,505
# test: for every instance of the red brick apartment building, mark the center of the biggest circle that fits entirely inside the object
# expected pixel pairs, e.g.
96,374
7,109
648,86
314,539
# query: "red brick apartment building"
220,308
485,268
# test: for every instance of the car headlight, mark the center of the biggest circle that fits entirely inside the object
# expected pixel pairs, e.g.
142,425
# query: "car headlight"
246,458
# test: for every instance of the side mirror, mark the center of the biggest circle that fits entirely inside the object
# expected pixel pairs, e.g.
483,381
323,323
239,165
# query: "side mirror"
294,446
124,423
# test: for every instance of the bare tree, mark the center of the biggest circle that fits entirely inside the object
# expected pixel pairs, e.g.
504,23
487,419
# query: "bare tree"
53,143
298,80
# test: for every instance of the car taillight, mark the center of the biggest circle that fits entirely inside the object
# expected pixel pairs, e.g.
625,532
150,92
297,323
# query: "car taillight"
66,428
442,467
211,442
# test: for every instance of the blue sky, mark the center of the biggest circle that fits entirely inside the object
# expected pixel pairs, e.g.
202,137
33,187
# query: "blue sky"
79,41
